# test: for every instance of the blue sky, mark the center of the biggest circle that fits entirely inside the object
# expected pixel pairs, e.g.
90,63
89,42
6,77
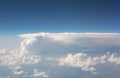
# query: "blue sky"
59,39
23,16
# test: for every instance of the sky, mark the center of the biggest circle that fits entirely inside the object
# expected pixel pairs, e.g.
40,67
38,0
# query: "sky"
23,16
59,39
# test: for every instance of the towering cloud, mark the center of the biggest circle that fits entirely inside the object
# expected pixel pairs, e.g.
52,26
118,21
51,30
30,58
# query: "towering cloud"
66,42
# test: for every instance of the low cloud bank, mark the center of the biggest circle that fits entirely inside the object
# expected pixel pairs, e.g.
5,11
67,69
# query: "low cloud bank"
87,63
64,48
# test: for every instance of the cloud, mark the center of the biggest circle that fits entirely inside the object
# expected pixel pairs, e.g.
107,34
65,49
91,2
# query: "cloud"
44,43
40,54
13,61
18,72
12,58
37,73
87,63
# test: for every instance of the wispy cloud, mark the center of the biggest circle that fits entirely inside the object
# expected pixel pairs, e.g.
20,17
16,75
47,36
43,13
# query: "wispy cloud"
37,73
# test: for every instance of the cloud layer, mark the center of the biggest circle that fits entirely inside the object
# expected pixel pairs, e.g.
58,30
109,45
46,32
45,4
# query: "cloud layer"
56,42
63,55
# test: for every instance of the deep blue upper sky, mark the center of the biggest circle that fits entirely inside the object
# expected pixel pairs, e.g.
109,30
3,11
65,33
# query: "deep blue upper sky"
24,16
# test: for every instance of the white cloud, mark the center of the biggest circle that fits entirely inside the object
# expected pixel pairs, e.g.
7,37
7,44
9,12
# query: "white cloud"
9,58
15,72
33,59
23,62
87,63
16,67
12,58
14,62
51,42
114,59
37,73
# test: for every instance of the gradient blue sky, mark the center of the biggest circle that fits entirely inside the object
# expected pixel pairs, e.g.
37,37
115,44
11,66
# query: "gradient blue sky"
26,16
33,33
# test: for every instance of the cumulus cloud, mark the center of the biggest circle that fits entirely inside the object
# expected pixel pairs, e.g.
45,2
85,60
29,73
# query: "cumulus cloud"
12,58
29,61
87,63
14,62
